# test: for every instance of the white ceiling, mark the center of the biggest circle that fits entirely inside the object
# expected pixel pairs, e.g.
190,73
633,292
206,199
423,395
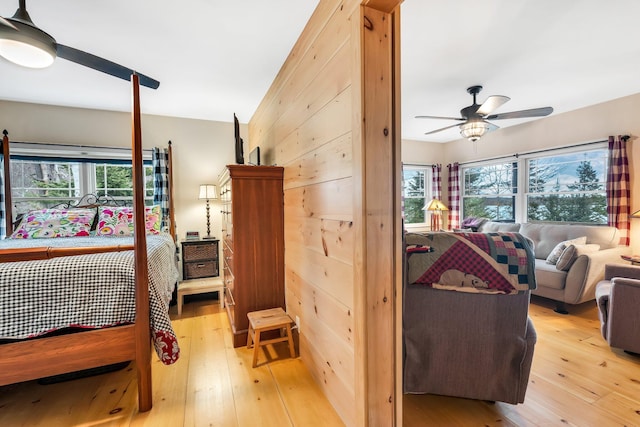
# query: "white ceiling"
213,58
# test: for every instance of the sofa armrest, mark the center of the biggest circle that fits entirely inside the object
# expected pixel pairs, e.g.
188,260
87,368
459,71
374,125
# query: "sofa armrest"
587,270
621,270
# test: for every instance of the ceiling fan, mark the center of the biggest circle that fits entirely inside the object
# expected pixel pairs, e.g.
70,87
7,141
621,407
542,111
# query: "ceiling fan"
23,43
475,116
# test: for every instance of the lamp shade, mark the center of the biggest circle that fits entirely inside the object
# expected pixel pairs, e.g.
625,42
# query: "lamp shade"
435,205
26,45
636,214
473,130
208,191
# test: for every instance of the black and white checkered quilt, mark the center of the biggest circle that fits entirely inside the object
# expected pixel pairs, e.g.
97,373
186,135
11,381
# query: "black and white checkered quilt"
87,291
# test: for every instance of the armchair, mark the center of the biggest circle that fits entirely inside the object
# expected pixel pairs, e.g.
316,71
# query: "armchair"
618,299
462,336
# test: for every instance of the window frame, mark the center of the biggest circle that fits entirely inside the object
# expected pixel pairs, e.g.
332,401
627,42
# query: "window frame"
521,192
489,163
428,191
87,158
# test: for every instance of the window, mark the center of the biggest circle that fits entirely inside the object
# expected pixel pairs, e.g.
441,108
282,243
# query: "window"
490,191
567,186
39,184
416,192
117,181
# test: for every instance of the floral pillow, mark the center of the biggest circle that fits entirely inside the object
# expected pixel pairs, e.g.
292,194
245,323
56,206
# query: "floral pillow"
118,221
45,223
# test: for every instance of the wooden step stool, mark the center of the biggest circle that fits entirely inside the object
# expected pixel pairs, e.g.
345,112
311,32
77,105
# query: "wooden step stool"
268,320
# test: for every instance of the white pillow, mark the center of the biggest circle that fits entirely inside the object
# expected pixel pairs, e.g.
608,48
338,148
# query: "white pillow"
572,252
557,251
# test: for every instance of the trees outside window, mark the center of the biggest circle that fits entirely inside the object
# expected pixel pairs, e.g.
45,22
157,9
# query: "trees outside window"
416,191
568,188
39,184
490,191
562,187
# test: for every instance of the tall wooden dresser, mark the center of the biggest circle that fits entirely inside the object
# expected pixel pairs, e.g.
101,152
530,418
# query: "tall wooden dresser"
253,242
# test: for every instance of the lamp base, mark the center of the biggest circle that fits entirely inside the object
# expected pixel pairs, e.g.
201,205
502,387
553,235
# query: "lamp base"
209,238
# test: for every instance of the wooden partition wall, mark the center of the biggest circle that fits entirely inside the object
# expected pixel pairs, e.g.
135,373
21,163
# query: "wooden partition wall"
329,120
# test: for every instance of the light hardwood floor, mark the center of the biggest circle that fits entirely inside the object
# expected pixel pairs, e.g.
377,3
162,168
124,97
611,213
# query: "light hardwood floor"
576,380
212,384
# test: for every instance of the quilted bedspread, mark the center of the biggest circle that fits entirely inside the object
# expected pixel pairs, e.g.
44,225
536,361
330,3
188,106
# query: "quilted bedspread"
87,291
497,263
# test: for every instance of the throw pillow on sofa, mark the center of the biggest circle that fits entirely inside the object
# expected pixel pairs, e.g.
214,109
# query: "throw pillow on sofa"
560,247
572,252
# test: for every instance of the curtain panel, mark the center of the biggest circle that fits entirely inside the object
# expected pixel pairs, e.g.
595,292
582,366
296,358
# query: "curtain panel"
436,181
618,188
160,163
454,195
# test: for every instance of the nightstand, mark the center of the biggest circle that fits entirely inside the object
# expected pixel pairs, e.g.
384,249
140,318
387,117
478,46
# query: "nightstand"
200,259
200,270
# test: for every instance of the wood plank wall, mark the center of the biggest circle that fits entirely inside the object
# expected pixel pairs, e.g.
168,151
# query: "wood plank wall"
339,266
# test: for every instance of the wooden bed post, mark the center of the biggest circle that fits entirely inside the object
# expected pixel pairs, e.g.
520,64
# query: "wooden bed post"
172,215
143,337
8,209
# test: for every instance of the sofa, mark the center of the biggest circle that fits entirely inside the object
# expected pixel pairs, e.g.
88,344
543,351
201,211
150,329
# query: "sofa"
567,272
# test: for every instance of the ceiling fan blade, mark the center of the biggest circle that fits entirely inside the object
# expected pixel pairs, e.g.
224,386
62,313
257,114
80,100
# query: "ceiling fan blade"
440,117
491,104
534,112
491,127
7,23
441,129
104,65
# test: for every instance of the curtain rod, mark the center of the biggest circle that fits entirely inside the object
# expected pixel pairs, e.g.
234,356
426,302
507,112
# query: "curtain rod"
418,164
93,147
516,155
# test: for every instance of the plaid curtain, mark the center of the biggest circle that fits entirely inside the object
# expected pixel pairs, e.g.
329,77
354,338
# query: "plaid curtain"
3,229
436,181
454,195
618,189
160,163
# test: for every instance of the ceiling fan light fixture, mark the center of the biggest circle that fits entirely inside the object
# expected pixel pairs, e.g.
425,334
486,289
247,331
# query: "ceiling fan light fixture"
27,46
473,130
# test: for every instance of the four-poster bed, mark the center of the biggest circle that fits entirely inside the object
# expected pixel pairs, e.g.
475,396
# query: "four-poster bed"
123,340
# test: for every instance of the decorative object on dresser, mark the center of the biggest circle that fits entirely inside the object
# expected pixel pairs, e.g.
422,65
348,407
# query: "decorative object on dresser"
199,259
208,192
253,242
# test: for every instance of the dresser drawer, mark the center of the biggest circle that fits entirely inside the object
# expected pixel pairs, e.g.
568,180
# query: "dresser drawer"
195,270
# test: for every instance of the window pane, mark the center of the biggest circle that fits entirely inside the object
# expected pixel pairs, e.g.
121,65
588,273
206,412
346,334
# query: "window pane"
415,194
569,187
43,179
44,184
489,191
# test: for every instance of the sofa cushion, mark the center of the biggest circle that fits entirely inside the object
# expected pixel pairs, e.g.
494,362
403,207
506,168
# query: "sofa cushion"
547,236
553,257
548,275
572,252
499,227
